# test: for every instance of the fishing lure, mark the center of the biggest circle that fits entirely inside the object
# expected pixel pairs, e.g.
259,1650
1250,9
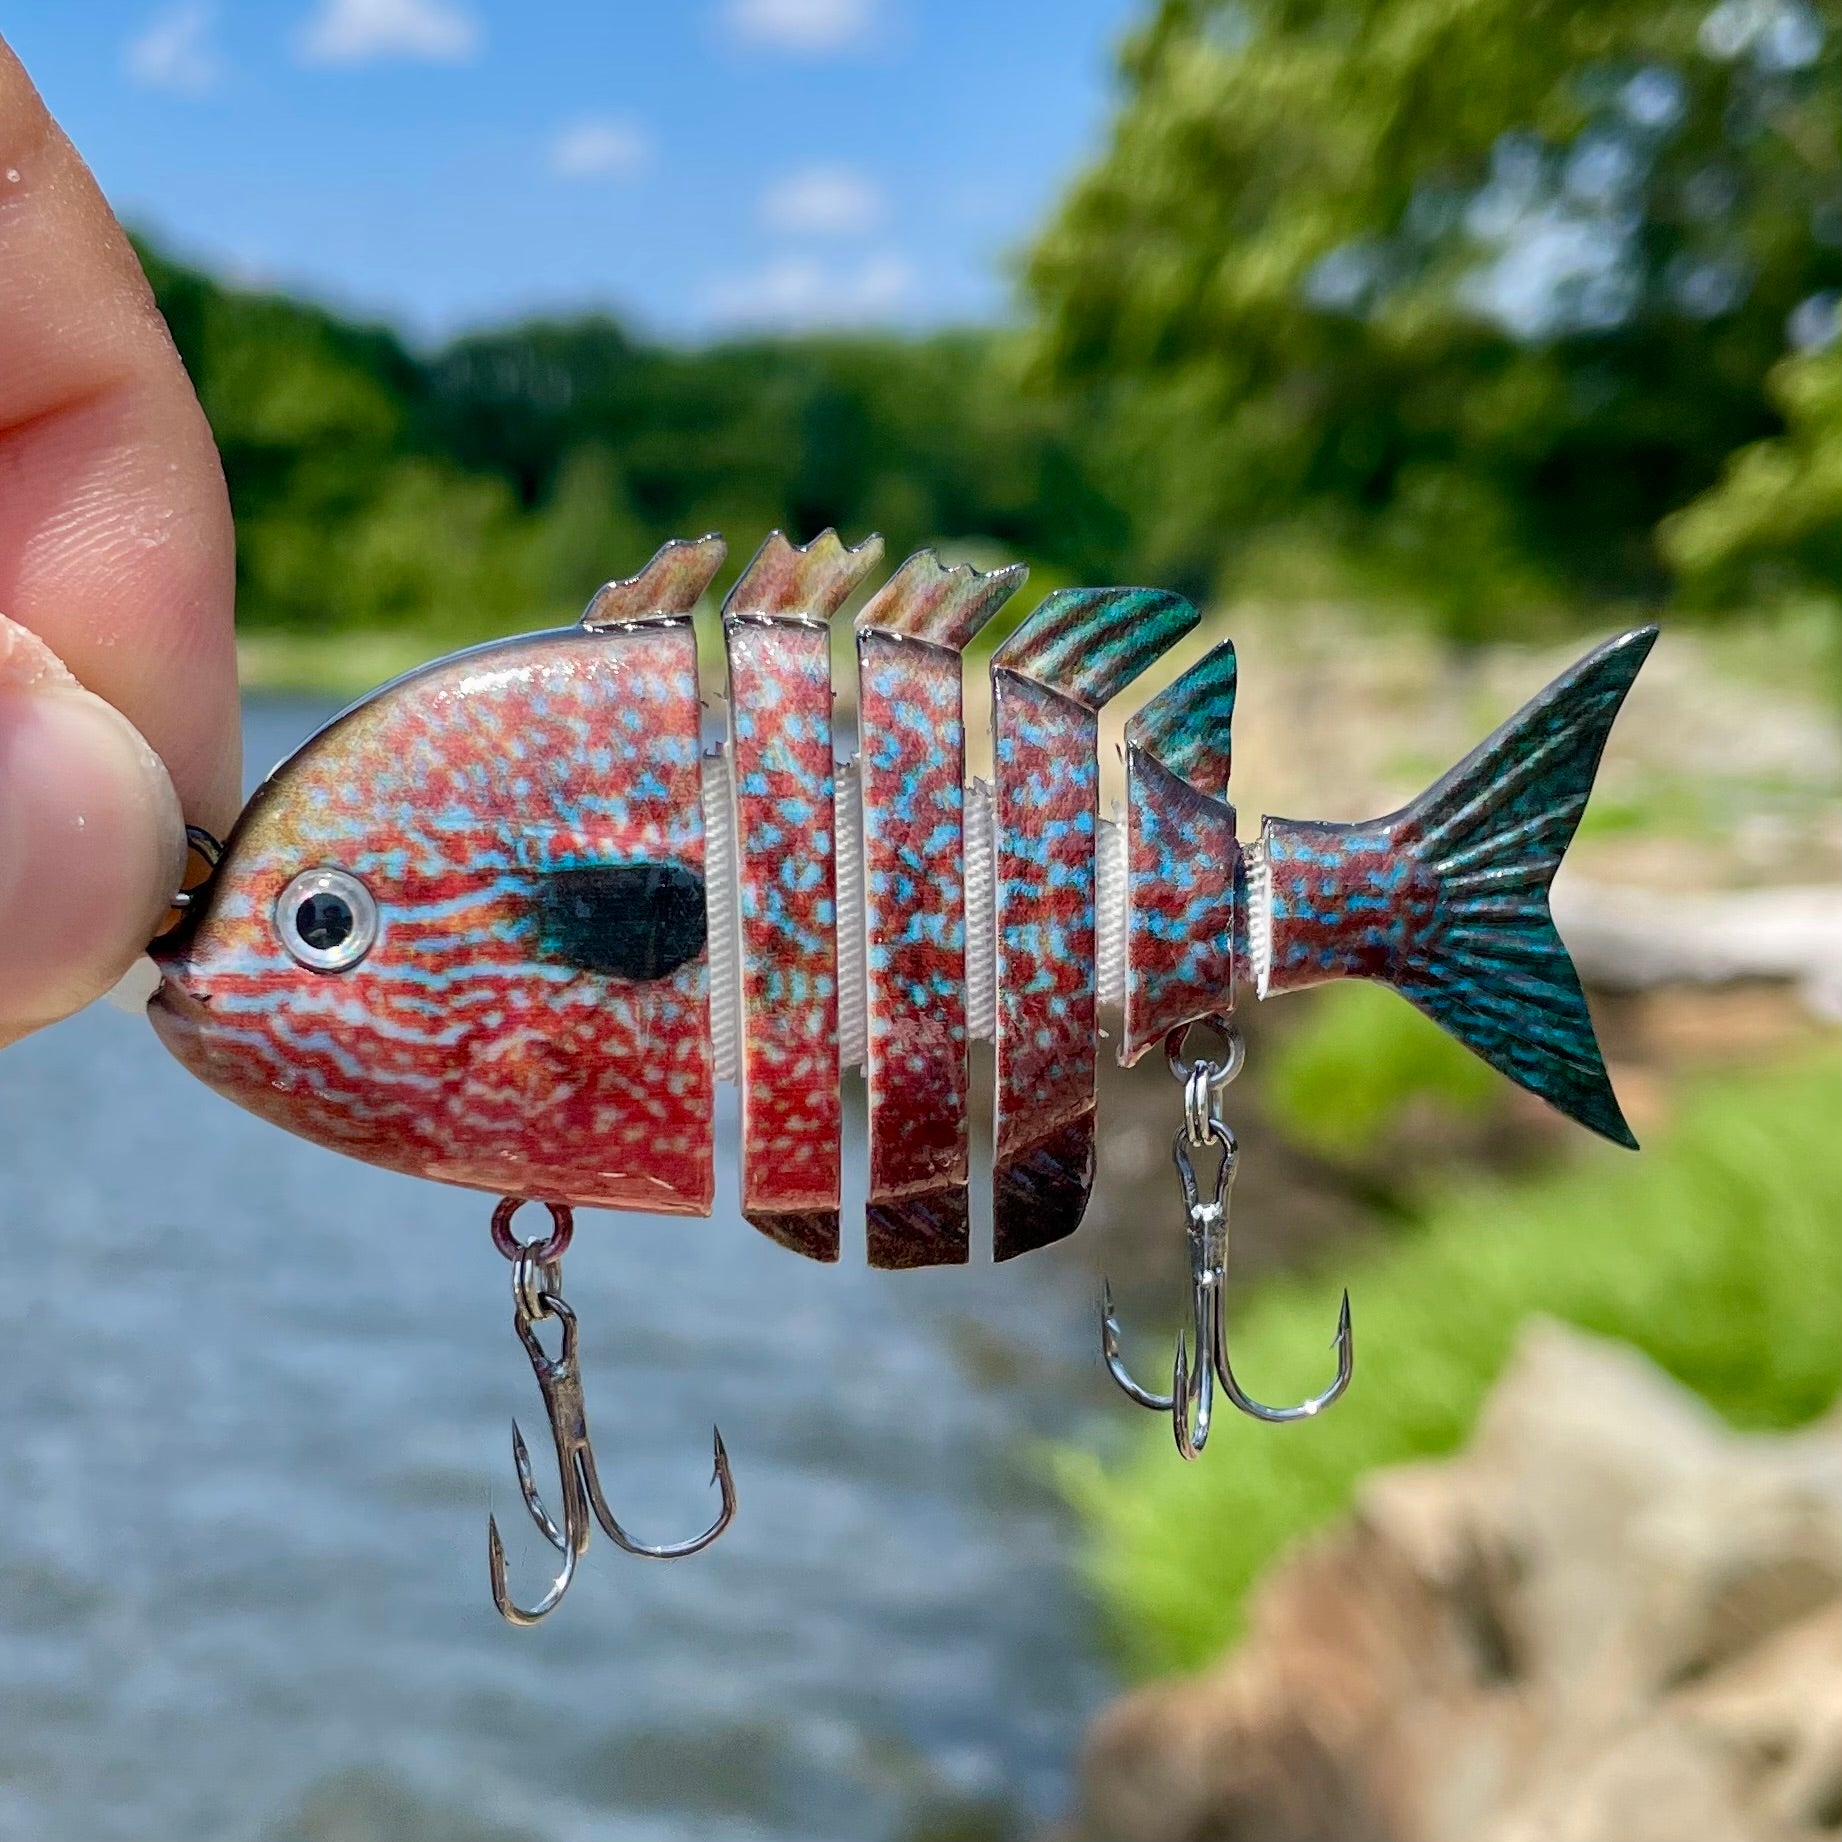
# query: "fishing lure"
506,923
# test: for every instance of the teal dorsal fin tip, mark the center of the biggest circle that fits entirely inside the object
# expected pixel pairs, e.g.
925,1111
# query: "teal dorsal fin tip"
927,599
810,580
1188,727
672,583
1090,643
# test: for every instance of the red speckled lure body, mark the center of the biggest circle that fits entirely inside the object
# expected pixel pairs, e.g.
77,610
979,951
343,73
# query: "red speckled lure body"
786,842
1186,908
471,929
481,803
912,770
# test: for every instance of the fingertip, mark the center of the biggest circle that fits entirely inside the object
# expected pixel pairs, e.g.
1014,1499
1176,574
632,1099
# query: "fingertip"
116,542
92,847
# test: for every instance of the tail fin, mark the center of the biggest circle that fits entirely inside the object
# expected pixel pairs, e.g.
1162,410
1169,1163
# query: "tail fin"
1447,900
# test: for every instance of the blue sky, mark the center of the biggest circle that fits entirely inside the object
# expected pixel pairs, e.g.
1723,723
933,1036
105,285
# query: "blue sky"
698,165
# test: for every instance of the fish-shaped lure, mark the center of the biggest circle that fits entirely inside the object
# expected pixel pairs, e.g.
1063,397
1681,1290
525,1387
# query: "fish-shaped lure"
506,922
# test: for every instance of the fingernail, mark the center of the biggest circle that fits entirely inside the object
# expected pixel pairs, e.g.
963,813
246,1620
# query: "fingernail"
91,848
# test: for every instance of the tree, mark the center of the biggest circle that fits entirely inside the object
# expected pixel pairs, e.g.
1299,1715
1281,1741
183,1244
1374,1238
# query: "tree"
1772,529
1463,294
494,483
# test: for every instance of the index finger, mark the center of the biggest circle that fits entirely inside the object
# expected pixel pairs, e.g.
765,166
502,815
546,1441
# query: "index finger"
115,534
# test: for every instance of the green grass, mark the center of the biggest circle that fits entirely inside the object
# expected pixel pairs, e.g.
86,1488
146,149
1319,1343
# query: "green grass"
1341,1080
330,665
1718,1252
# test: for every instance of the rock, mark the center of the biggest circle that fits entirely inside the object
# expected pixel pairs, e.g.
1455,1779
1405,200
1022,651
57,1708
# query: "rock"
1609,1620
1637,939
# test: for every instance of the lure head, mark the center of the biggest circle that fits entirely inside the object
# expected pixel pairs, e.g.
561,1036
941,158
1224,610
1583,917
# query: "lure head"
461,933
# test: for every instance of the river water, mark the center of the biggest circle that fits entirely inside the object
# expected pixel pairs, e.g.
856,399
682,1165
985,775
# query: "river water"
257,1410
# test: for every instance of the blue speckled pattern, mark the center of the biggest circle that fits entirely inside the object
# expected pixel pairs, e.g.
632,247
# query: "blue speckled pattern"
1046,796
474,1043
783,773
535,1014
1183,864
1183,872
1079,648
780,671
913,765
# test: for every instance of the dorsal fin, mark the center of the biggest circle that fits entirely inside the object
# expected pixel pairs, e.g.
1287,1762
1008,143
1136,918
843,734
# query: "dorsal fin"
928,600
1090,643
1188,726
671,583
812,579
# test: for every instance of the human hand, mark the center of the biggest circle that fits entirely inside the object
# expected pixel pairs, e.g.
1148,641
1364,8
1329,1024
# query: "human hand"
117,665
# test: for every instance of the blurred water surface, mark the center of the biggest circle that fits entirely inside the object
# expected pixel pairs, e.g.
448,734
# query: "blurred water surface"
257,1404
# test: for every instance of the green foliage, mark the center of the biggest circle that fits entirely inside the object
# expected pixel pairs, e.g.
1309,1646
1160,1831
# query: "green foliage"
493,484
1342,1080
1771,531
915,438
1442,306
1716,1252
1463,294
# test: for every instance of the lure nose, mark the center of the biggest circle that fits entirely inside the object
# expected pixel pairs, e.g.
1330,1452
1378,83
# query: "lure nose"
170,950
174,940
180,1016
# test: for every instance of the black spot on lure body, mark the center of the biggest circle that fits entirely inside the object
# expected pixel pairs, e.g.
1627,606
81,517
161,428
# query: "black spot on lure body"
638,921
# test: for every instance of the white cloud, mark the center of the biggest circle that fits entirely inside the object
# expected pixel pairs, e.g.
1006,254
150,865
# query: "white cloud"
175,53
822,201
797,292
605,148
810,28
360,31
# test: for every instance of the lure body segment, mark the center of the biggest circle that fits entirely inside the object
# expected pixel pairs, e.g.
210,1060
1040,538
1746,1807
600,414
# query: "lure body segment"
1079,650
783,774
1184,902
912,769
504,923
533,1017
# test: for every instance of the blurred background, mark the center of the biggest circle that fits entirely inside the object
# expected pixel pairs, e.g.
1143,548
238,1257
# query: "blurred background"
1421,342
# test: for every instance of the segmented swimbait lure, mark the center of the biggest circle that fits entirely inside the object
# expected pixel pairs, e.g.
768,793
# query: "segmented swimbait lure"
507,922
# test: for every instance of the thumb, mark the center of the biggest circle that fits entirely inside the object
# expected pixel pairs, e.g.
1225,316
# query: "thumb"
92,845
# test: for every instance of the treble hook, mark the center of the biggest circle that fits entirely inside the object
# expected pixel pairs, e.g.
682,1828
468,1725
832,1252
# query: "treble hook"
1191,1400
537,1279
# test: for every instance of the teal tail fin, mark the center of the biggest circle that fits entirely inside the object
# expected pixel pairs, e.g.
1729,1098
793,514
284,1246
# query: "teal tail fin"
1447,900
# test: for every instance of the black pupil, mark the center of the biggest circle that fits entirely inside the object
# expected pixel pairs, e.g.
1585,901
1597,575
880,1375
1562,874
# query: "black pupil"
324,921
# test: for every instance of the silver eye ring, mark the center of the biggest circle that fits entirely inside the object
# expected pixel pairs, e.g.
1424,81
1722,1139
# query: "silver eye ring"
327,919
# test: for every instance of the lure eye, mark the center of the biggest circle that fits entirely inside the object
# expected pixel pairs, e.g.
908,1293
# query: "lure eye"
327,920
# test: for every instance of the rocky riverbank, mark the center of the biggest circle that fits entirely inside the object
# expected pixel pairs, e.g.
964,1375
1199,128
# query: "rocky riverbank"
1610,1619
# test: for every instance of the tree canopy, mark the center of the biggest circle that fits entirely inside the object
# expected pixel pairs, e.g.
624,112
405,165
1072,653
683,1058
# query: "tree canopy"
1495,307
1463,295
496,481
